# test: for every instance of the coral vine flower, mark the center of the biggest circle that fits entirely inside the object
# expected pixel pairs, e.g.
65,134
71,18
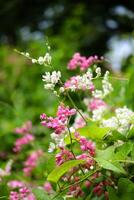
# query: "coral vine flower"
82,61
59,122
86,145
19,143
26,138
26,128
48,187
63,156
96,103
15,184
31,162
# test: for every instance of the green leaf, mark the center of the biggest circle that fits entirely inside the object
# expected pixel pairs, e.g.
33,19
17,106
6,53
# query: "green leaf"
131,133
132,153
93,131
40,194
116,167
123,151
105,154
125,189
117,136
59,171
112,193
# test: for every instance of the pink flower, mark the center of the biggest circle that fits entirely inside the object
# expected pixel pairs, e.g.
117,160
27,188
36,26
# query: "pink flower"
63,156
82,62
23,193
98,189
47,187
14,195
43,116
79,121
19,143
26,128
31,162
15,184
89,161
86,145
79,83
59,122
75,191
96,103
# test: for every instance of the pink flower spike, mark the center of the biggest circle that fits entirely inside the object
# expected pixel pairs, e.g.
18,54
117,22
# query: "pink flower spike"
26,128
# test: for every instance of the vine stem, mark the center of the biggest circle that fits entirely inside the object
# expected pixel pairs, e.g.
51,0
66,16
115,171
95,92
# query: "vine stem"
75,107
72,149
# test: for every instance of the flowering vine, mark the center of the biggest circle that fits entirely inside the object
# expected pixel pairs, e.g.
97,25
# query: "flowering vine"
87,158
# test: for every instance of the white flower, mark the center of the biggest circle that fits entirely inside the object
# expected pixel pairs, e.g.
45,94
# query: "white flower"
47,58
55,77
58,139
51,79
62,89
34,60
72,129
98,113
41,60
98,71
106,87
92,167
51,147
110,123
27,54
49,86
122,121
98,94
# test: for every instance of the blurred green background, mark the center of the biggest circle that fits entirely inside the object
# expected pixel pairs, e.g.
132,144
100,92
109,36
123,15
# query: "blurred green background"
90,27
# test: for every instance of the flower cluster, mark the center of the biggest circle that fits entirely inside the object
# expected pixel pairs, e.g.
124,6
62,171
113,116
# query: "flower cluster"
46,60
106,87
83,82
82,62
63,156
51,79
96,103
31,162
25,139
85,144
60,121
23,191
122,121
26,128
79,121
41,60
